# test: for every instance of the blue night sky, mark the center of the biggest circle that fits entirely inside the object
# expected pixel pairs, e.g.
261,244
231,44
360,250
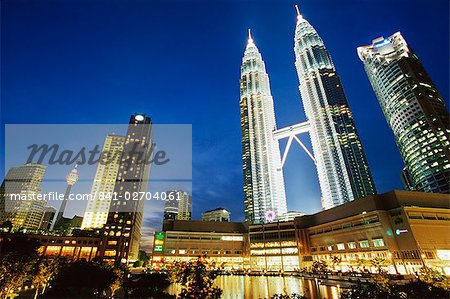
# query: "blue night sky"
97,62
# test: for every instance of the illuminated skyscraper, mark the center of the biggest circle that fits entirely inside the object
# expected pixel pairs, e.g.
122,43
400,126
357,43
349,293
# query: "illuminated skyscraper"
123,226
184,205
342,166
179,206
414,109
103,186
264,192
24,180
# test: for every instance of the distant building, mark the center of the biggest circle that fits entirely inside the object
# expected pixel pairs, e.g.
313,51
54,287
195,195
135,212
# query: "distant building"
123,226
218,215
71,180
184,205
47,218
67,225
414,109
22,181
104,181
170,209
291,215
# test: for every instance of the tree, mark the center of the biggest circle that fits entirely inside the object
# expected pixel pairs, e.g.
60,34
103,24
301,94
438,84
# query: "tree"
143,256
319,266
336,261
6,226
378,263
82,279
434,277
44,270
196,278
18,255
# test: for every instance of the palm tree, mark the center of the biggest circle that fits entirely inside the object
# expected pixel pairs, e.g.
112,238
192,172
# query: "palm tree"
336,261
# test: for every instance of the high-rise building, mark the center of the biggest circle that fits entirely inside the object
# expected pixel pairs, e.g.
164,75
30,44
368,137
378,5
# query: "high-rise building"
342,166
102,190
123,226
217,215
22,182
184,205
414,109
179,206
170,209
47,218
71,180
264,192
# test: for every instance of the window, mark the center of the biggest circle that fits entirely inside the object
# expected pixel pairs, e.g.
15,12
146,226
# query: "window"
378,242
182,251
364,244
110,253
351,245
340,246
330,247
113,242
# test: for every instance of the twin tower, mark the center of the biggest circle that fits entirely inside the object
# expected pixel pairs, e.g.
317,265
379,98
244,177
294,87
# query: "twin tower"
338,154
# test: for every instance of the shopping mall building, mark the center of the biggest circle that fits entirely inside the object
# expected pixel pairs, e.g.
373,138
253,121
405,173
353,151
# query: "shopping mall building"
404,229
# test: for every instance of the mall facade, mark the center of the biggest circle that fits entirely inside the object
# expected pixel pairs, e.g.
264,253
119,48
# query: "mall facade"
404,230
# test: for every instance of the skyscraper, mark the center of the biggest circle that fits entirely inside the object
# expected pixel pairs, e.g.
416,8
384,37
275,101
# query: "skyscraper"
414,109
21,181
71,180
102,190
342,166
264,192
184,200
170,209
123,226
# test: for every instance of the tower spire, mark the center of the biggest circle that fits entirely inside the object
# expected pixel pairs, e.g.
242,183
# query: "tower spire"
250,39
298,10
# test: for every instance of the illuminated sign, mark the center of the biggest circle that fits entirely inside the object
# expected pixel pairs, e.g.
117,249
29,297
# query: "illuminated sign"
159,236
159,242
443,254
400,231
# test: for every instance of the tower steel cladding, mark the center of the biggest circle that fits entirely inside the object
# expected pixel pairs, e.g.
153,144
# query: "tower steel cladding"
414,109
264,192
342,166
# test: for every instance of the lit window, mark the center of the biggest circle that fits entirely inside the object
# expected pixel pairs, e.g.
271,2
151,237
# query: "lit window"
112,242
110,253
330,247
182,251
340,246
378,242
351,245
364,244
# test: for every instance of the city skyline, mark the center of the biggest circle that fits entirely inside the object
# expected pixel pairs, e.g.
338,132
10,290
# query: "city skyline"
229,187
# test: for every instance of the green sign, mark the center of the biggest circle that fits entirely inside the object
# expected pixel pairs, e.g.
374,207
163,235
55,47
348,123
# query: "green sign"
159,236
158,248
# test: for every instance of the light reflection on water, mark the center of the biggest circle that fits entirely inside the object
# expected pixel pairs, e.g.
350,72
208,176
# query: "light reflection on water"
255,287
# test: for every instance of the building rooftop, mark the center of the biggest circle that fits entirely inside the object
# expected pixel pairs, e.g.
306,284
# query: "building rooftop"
216,209
205,226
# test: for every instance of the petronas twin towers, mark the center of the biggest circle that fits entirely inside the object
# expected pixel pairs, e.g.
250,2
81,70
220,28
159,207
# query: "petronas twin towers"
341,164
